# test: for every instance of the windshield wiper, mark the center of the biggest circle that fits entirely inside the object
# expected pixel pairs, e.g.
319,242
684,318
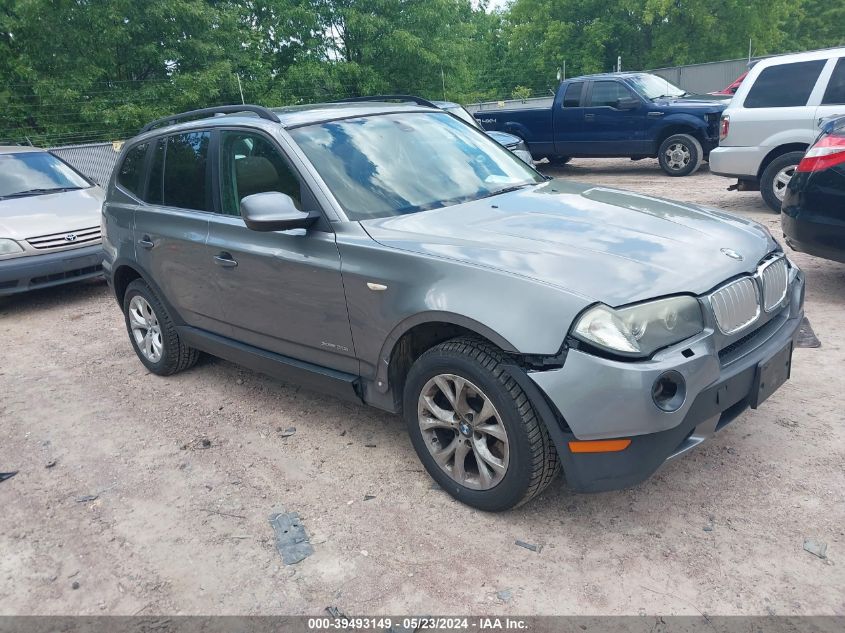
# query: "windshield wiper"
38,192
506,190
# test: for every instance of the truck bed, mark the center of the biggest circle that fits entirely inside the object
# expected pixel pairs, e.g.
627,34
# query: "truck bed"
535,103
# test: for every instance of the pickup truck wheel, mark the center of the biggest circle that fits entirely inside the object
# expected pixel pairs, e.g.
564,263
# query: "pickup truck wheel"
152,332
680,155
474,429
776,177
558,160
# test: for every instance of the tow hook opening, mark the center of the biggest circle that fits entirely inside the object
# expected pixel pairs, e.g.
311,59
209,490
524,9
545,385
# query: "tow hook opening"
669,391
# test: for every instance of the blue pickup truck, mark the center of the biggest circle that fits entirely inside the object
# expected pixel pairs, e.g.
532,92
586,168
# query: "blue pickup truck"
636,115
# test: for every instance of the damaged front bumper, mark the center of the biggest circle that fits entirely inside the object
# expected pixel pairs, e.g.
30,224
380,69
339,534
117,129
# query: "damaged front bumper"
593,398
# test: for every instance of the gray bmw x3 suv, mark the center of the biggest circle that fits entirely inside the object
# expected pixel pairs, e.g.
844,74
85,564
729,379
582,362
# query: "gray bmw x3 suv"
396,256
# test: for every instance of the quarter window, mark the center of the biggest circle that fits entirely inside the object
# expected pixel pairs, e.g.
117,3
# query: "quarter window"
131,174
608,93
572,96
784,86
249,164
835,93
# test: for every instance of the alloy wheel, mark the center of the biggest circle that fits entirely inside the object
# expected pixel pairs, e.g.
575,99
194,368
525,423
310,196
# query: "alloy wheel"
677,156
781,181
463,431
146,329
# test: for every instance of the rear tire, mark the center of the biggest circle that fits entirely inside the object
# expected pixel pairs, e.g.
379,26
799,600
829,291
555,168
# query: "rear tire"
558,160
474,429
776,177
152,333
680,155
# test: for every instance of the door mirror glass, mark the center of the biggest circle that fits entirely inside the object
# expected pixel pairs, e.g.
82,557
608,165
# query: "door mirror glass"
627,103
273,211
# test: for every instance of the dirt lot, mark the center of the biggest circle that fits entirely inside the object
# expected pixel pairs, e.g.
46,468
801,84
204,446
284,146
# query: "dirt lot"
179,528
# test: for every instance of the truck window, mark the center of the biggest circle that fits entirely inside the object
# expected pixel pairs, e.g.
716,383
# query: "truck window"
572,96
784,86
835,93
608,93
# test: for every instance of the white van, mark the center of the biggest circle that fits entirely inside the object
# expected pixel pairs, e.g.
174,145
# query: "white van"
775,116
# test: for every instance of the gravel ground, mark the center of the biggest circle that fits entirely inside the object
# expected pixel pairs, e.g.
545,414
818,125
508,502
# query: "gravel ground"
180,527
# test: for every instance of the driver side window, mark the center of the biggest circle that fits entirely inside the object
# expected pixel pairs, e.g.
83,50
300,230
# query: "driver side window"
608,93
249,164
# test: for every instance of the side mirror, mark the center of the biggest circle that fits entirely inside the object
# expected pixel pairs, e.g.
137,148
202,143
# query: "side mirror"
627,103
273,211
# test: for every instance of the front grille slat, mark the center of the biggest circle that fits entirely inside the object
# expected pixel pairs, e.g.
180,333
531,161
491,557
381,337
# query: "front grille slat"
775,279
88,235
736,305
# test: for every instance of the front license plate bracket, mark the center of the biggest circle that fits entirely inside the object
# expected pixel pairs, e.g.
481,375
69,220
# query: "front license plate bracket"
771,374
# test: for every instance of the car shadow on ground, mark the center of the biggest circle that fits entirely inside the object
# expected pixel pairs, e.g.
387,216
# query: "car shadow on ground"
46,298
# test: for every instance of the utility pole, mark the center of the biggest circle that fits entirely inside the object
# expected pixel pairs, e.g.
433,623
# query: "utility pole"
240,88
619,64
443,79
749,50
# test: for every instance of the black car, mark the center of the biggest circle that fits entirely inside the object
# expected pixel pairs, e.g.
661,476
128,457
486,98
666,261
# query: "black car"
814,206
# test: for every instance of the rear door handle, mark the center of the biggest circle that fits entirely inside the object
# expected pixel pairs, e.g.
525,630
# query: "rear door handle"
589,117
225,259
146,242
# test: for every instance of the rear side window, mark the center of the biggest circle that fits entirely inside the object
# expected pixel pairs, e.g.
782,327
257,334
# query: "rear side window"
835,93
608,93
249,164
784,86
131,173
185,172
572,96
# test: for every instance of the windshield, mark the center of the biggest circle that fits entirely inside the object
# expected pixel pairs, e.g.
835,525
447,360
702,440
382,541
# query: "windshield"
652,87
34,173
461,113
393,164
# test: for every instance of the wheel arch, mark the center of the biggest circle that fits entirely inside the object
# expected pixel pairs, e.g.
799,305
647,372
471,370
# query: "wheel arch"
777,152
419,333
124,272
674,126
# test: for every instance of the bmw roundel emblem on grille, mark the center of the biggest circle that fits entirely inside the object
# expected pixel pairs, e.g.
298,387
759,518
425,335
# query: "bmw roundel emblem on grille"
70,237
732,254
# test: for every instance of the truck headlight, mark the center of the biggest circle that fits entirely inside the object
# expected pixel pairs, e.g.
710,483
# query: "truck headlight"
9,247
642,329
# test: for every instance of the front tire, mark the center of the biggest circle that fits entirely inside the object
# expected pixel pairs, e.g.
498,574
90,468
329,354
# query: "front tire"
474,429
776,177
152,333
680,155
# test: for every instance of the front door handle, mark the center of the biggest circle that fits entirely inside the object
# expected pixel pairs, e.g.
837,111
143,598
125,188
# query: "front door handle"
146,242
589,117
225,259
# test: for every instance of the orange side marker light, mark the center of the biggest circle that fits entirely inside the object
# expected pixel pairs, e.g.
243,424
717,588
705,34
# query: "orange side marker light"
599,446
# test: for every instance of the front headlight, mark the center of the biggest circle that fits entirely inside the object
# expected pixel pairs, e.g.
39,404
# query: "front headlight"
9,247
642,329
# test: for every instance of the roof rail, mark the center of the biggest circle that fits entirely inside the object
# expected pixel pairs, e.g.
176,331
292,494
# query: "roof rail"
411,98
262,112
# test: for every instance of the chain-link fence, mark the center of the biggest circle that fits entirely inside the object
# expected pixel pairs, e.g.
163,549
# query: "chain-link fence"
94,160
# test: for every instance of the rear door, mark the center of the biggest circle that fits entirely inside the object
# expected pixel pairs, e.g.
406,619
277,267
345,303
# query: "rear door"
172,227
282,290
612,131
568,120
833,93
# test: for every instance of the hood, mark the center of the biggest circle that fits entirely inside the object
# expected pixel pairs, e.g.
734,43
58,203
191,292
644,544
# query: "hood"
694,101
603,244
503,138
32,216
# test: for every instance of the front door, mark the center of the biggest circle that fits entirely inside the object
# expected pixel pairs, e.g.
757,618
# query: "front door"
613,131
280,290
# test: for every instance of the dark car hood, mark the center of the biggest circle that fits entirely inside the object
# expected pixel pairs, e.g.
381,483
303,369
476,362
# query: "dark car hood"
603,244
693,101
503,138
